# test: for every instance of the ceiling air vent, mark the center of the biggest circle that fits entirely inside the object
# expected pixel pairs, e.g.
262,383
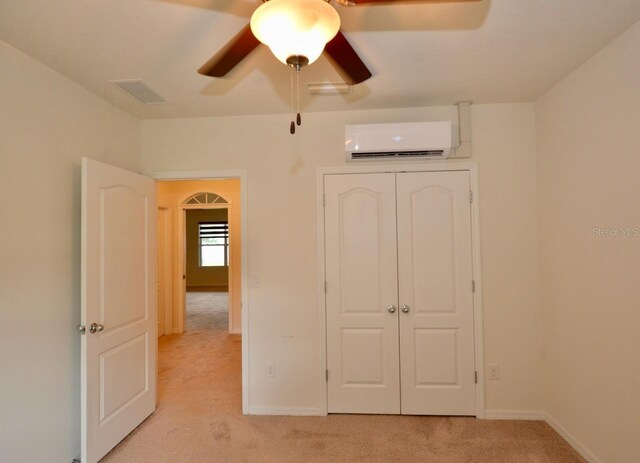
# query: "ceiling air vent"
139,90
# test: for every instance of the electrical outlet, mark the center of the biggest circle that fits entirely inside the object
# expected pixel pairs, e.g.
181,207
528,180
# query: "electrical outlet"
494,371
271,370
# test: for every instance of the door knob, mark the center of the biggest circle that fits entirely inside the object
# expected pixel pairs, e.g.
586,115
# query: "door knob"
405,309
391,309
96,328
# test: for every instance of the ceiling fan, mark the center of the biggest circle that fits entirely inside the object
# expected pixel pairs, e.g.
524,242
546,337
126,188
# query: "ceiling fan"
297,32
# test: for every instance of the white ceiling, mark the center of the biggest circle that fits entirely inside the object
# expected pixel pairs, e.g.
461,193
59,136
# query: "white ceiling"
420,54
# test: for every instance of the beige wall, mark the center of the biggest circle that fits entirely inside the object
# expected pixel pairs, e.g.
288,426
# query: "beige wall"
281,175
589,178
171,194
562,322
47,123
197,276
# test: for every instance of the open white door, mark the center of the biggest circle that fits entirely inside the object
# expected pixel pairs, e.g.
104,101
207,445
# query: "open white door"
118,348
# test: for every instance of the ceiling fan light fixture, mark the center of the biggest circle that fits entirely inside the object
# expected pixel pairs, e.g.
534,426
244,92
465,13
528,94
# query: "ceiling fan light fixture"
295,28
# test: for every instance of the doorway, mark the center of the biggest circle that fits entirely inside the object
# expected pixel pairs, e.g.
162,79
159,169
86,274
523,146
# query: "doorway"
204,259
204,221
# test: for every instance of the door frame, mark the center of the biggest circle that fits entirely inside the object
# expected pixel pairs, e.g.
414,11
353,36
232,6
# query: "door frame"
164,270
181,268
240,174
428,166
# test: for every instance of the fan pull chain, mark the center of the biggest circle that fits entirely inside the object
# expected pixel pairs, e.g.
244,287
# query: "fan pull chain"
292,127
298,116
298,120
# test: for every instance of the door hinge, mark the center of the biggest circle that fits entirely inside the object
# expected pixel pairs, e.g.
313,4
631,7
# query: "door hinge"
476,376
326,375
470,196
324,200
473,286
325,287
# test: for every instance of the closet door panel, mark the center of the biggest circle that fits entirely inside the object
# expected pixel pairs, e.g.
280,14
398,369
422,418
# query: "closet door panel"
361,275
435,286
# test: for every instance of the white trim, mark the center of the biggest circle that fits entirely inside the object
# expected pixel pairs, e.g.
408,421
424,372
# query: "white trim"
164,223
539,415
206,193
245,294
206,206
478,318
285,411
427,166
571,439
180,268
322,313
242,175
535,415
198,174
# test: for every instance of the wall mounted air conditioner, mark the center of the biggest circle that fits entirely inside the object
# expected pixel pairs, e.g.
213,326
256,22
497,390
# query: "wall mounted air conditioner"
412,140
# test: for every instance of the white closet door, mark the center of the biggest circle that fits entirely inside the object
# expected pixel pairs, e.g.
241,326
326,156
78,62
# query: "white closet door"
361,274
435,285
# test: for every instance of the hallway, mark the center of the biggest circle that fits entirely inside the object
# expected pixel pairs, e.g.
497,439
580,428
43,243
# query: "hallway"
207,310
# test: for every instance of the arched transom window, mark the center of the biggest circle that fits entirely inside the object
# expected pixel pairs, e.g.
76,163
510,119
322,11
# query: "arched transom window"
206,198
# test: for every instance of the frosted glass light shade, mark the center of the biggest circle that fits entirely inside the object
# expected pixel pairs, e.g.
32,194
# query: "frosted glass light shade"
295,27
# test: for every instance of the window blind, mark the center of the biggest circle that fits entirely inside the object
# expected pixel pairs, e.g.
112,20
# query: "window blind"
213,230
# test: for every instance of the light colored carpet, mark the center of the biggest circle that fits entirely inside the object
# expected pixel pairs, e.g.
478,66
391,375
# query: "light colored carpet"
199,420
207,311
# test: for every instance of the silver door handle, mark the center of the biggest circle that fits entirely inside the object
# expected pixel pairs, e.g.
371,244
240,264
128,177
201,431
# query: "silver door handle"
96,328
391,309
405,309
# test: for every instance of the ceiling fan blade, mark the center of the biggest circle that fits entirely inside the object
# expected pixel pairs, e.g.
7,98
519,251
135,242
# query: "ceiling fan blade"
346,60
369,2
235,51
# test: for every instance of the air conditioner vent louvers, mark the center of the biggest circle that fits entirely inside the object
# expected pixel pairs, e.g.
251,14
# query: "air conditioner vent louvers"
387,154
372,155
437,153
139,90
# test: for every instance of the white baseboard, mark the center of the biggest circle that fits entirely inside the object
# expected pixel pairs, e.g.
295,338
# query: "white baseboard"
514,415
285,411
551,421
571,439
